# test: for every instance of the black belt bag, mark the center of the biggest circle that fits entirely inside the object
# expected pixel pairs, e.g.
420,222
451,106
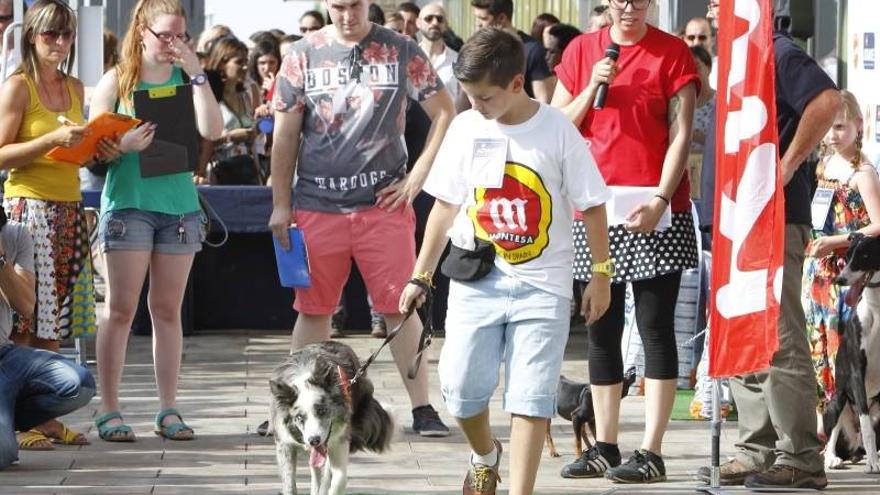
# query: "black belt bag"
465,265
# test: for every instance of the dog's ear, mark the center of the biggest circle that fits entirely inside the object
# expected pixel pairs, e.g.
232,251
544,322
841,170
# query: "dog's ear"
325,375
284,393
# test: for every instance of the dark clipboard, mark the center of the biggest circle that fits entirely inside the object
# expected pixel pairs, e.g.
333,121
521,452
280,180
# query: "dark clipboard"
175,147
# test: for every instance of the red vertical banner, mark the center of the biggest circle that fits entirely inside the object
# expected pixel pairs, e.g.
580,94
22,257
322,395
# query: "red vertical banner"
748,241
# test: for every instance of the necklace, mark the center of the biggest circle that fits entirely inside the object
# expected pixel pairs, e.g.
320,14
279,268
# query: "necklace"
51,103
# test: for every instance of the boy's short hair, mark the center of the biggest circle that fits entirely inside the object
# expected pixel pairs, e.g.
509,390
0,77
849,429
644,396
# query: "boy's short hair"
495,7
491,54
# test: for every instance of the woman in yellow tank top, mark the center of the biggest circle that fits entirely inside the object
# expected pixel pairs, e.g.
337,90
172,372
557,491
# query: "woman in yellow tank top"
44,194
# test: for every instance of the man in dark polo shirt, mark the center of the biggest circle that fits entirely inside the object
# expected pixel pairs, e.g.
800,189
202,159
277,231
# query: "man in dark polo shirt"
540,81
778,447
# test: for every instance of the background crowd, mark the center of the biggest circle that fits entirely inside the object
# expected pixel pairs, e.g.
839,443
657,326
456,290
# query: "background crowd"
154,229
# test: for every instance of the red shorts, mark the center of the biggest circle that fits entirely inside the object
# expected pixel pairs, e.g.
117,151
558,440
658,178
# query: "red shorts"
382,244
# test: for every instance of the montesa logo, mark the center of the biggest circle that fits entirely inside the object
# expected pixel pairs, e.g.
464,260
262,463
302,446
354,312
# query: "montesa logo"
516,216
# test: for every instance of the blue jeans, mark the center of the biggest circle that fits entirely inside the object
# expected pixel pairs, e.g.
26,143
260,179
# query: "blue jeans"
36,386
500,319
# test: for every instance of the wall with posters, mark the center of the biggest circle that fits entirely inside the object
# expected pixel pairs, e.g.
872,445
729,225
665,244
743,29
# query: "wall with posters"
860,41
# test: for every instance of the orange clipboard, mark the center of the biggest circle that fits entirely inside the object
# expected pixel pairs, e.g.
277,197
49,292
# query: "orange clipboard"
106,125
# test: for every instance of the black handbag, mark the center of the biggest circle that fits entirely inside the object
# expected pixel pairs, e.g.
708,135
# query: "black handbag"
239,170
465,265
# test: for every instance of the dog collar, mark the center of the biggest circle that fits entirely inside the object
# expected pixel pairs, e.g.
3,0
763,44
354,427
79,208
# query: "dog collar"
344,384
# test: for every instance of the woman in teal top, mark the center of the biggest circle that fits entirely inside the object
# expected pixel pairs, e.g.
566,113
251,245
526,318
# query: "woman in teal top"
148,225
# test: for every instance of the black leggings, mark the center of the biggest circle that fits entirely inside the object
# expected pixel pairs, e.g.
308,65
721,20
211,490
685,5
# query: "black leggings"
655,315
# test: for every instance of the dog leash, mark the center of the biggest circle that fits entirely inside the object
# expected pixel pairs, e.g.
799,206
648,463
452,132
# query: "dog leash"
425,339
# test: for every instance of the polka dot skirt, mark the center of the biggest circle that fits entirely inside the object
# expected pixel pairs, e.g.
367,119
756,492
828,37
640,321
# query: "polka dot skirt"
642,256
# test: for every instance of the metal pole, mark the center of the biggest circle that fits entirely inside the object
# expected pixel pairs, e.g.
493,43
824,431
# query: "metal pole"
715,478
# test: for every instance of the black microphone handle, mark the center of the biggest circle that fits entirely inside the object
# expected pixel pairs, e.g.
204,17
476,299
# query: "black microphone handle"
601,92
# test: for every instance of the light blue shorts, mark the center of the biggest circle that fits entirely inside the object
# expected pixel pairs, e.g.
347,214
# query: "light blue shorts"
138,230
499,318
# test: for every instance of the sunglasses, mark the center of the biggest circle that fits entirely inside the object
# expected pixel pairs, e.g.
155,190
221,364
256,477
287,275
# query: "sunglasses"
166,37
434,17
355,69
692,37
636,4
52,35
304,29
6,18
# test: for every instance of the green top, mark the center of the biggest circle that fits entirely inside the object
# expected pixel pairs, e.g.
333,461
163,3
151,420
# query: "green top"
173,194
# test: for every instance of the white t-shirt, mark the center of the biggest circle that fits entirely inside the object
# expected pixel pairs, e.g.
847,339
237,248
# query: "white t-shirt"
443,65
549,172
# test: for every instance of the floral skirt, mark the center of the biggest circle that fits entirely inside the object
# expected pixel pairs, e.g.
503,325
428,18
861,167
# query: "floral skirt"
63,265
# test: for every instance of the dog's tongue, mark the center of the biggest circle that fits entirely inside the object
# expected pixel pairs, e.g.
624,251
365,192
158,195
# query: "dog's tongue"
318,457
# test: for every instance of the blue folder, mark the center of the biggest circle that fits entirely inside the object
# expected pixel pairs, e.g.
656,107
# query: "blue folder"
293,265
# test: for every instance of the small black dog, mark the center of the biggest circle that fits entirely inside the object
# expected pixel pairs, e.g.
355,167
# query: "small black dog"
851,417
574,402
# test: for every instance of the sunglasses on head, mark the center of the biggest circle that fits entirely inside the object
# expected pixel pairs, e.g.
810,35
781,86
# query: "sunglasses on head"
434,17
166,37
52,35
692,37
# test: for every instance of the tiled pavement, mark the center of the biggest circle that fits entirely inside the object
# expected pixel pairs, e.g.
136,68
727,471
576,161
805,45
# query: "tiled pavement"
223,395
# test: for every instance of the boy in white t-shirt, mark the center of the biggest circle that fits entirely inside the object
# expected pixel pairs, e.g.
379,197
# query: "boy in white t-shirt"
509,175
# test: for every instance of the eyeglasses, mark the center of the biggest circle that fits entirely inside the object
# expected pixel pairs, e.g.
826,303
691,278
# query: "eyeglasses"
52,35
636,4
166,37
434,17
692,37
305,29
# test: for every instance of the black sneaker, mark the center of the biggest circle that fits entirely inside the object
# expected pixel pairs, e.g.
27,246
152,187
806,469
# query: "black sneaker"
427,423
337,322
642,467
591,464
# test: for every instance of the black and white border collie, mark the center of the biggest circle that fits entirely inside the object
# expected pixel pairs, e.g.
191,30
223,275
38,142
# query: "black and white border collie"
852,416
315,410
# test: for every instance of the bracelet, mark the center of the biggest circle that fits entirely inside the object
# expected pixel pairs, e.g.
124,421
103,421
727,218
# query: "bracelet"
664,198
426,278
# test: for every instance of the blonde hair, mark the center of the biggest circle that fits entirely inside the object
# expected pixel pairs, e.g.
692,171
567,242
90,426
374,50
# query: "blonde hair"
852,113
45,15
209,36
128,72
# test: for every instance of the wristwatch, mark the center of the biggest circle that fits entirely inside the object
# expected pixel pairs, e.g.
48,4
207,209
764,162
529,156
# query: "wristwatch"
2,261
604,268
198,79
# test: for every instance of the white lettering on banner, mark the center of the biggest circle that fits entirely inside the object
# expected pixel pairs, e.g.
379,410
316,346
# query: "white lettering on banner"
751,11
329,79
348,183
503,208
745,123
742,294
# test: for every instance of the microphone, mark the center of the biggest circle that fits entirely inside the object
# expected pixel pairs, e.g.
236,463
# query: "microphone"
612,52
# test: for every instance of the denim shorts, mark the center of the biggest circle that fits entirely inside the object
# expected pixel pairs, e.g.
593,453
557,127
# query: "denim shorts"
496,319
138,230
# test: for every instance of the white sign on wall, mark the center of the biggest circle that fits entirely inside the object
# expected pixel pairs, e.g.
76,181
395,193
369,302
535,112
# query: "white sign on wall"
863,68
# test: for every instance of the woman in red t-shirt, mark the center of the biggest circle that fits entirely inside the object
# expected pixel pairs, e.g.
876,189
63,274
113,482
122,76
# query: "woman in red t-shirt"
640,138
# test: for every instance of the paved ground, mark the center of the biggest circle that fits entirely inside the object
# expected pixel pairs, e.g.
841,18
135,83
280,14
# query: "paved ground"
223,395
